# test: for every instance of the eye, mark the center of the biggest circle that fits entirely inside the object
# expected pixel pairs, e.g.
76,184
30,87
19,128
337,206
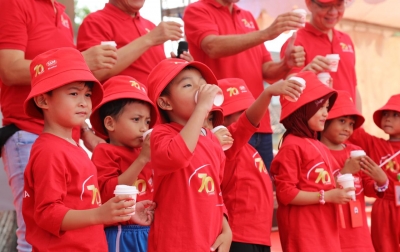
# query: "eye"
395,114
384,113
135,119
148,122
187,85
342,120
73,93
88,94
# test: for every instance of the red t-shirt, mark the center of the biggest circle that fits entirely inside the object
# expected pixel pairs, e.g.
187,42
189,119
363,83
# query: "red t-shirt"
356,239
208,17
247,188
316,43
33,27
112,24
111,161
305,164
187,191
57,179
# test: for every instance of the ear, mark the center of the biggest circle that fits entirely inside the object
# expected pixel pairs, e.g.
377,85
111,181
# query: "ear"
41,101
109,123
163,103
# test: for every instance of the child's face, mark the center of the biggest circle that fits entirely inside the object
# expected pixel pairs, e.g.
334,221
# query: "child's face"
128,127
69,105
182,94
208,122
228,120
339,129
390,122
317,121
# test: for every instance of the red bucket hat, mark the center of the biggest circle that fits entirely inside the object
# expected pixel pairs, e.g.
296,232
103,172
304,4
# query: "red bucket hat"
314,90
218,118
120,87
54,69
237,96
344,106
392,104
166,71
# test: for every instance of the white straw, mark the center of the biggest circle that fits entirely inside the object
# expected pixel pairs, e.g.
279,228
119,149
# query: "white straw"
387,160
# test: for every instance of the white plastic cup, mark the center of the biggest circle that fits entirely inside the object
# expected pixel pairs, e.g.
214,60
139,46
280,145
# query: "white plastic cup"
357,153
111,43
299,80
346,181
127,190
325,78
146,133
225,146
218,100
303,14
333,61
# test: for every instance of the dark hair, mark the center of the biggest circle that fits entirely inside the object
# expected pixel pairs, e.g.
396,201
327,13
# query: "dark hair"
88,84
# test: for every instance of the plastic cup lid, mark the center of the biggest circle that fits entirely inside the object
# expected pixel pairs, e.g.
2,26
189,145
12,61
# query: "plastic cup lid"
124,189
300,11
111,43
323,75
218,128
146,133
345,177
218,100
333,56
299,80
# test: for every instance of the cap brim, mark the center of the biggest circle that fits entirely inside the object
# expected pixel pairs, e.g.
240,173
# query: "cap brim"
377,116
346,111
237,106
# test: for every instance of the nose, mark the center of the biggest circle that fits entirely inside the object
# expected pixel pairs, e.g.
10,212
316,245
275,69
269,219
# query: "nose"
325,112
144,127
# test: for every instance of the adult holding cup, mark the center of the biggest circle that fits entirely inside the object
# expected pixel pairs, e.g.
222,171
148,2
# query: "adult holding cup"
327,49
227,39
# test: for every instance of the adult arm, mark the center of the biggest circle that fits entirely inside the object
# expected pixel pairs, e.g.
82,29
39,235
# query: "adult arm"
14,68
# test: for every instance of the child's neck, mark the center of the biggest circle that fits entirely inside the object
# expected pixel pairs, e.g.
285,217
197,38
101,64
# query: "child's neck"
330,144
394,138
61,132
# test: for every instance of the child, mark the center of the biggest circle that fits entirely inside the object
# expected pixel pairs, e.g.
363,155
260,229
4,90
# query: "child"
188,162
122,117
342,119
385,215
62,206
302,172
247,187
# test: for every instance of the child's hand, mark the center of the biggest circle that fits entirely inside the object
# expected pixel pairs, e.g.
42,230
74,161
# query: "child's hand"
224,240
144,213
352,165
369,167
115,210
145,152
206,95
338,196
286,87
224,136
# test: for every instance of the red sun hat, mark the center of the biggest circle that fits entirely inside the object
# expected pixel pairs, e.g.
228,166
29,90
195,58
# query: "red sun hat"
344,106
218,118
314,90
120,87
237,96
54,69
166,71
392,104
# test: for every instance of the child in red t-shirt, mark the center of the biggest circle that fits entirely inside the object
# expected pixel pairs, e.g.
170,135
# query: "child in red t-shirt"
247,187
122,117
62,206
303,173
385,215
188,161
342,119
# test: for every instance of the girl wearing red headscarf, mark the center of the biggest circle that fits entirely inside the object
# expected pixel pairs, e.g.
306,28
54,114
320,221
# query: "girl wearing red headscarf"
302,172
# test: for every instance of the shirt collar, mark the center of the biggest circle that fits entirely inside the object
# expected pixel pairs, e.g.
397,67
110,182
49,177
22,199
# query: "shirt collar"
310,28
119,13
214,3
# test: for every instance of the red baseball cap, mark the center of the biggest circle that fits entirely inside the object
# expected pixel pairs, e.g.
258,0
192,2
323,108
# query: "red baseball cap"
166,71
392,104
314,90
237,96
344,106
120,87
54,69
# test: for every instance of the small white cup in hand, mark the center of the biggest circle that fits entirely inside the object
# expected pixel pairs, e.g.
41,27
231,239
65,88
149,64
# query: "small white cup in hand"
346,181
225,146
303,86
333,61
146,133
303,14
218,100
127,190
325,78
111,43
357,153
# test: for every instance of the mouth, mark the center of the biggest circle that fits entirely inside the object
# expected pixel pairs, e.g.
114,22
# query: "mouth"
82,113
331,20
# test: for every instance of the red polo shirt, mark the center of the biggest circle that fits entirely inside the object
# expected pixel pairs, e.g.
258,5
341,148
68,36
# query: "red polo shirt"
316,43
208,17
112,24
33,27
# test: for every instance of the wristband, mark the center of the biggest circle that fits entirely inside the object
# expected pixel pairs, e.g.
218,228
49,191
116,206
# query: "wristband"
322,197
382,188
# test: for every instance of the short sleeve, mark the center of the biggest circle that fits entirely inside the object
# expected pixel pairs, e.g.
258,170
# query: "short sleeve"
13,25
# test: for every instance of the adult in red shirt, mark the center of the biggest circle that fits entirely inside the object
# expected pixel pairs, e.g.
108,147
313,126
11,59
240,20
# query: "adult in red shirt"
319,38
29,28
139,41
227,39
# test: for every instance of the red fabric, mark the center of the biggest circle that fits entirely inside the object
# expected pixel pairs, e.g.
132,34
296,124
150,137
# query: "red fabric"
58,179
355,239
316,43
112,24
392,104
208,17
305,165
344,106
187,191
385,216
111,161
247,188
237,96
30,26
